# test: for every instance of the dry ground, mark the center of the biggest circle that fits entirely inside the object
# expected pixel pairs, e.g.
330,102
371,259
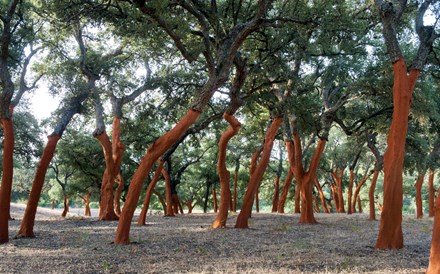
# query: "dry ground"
276,243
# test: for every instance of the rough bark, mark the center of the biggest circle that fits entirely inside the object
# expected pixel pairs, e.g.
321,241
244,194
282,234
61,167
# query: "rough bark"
431,192
7,175
418,185
223,173
149,192
257,175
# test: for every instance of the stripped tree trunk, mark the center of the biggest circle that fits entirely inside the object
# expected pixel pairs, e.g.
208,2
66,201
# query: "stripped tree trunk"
418,185
149,192
117,198
321,194
7,175
434,258
337,177
168,195
288,180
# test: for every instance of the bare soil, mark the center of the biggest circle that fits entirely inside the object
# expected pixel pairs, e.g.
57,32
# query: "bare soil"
276,243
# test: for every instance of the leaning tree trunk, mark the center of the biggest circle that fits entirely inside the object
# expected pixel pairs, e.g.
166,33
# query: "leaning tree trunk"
27,224
223,173
285,192
149,192
356,192
390,232
321,195
66,206
7,174
418,185
371,196
159,147
434,258
257,175
431,192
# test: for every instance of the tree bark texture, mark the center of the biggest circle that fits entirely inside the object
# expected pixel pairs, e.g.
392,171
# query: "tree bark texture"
390,232
157,149
117,199
7,175
257,175
223,173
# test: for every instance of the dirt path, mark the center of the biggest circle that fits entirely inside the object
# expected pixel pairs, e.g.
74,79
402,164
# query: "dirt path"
275,244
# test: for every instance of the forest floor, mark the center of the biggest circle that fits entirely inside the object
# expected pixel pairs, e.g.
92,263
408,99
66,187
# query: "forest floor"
276,243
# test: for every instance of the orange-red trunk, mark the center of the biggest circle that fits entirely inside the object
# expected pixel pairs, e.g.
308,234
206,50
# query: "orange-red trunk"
168,196
66,206
159,147
418,185
434,258
7,174
223,173
431,192
276,194
321,195
257,175
149,192
288,180
390,231
27,224
371,196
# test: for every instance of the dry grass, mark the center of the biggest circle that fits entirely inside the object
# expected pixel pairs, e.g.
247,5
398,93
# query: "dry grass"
275,244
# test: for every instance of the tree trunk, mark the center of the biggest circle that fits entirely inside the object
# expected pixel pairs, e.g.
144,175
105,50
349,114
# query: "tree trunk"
27,224
285,192
431,192
149,192
276,194
7,175
66,206
234,202
321,194
335,196
257,201
214,199
255,179
418,185
223,173
155,150
297,198
356,193
87,211
53,204
359,204
117,200
168,195
289,176
371,196
350,193
189,205
338,179
161,200
390,232
434,258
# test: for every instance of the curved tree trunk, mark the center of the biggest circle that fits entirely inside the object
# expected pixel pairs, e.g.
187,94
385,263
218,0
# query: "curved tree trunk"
356,193
159,147
285,192
390,232
434,258
321,195
431,192
276,194
419,205
66,206
27,224
149,192
117,199
257,175
371,195
223,173
7,175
